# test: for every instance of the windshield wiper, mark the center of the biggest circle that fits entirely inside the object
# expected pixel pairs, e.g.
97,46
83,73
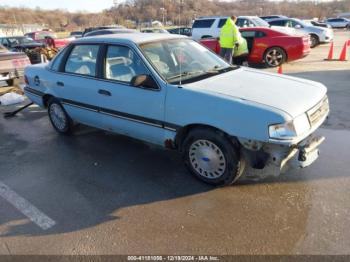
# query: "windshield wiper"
217,69
186,73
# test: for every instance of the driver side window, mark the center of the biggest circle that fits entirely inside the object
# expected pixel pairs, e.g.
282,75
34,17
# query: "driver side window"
122,64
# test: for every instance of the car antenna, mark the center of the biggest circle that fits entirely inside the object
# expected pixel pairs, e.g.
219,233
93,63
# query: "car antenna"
180,62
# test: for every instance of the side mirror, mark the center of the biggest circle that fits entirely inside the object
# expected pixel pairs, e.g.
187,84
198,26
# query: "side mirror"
297,26
145,81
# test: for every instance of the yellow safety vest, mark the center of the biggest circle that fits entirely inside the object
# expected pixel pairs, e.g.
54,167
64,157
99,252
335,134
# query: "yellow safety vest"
229,34
242,49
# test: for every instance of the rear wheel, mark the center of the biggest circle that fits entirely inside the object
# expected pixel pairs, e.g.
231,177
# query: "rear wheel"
212,157
275,56
314,41
59,118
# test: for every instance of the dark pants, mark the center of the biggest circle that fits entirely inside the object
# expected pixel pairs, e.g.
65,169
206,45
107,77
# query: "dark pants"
227,53
240,60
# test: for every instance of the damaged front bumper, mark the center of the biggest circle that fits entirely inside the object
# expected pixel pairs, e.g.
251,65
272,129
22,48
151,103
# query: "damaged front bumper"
274,159
304,154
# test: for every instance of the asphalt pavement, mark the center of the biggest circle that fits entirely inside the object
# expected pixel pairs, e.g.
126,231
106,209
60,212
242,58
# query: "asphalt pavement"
99,193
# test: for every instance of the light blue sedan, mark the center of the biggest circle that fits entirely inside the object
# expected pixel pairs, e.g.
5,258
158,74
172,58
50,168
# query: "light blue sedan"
171,91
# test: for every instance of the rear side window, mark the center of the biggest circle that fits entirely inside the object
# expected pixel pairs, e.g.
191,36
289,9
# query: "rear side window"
82,60
203,23
259,34
248,34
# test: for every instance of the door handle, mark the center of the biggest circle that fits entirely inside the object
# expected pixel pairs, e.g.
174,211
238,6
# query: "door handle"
60,83
104,92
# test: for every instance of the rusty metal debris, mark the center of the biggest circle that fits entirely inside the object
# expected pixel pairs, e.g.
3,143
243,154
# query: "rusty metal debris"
41,54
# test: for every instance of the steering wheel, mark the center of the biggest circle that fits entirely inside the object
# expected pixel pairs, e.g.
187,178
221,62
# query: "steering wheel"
195,65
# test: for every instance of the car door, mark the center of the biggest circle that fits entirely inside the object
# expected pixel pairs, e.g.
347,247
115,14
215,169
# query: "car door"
126,109
72,79
250,38
342,22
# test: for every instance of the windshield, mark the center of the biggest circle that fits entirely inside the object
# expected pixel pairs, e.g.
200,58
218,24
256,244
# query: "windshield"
302,23
25,40
20,40
260,22
183,60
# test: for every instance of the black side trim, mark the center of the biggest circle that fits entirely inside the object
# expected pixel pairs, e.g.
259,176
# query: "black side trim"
118,114
33,91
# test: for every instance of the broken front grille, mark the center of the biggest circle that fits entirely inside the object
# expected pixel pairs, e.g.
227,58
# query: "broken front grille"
318,112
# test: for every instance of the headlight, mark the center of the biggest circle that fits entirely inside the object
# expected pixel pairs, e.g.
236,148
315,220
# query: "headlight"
290,129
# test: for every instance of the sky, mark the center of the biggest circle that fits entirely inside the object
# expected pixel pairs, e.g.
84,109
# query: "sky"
70,5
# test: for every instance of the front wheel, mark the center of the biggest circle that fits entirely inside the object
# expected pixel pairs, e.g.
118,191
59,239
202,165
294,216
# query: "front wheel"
275,56
212,157
314,41
60,120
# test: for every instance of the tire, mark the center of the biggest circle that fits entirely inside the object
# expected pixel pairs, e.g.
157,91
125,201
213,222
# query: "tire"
212,157
10,82
275,56
59,119
315,41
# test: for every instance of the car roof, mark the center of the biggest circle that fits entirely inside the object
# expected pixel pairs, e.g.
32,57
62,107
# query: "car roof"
248,16
221,17
211,17
280,19
137,38
111,31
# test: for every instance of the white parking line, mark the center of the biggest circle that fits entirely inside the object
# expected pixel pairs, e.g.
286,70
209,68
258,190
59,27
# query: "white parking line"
27,209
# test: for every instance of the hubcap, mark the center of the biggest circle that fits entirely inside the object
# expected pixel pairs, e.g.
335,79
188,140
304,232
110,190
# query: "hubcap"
274,57
207,159
57,116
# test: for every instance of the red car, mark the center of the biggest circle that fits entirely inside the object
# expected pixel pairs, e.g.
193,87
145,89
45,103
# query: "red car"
40,36
268,46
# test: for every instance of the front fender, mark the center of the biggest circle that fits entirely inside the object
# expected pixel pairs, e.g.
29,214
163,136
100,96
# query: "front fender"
236,117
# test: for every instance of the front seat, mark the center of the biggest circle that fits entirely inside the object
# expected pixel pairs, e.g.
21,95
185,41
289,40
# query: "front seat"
121,72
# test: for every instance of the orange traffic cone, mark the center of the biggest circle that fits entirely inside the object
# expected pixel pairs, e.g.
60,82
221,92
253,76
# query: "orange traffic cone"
343,55
330,53
279,70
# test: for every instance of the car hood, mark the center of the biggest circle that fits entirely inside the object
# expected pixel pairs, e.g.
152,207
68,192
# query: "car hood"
291,95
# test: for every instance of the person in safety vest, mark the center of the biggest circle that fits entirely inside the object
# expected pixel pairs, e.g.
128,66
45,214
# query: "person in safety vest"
228,38
240,51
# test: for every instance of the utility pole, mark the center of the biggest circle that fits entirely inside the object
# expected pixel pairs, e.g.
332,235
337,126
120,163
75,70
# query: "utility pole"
180,10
